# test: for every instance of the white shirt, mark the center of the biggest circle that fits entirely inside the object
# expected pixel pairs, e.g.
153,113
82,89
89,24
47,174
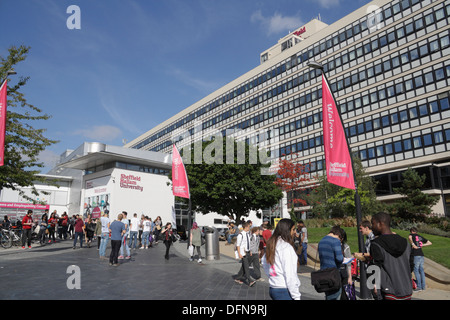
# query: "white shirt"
283,273
105,221
146,226
243,242
134,224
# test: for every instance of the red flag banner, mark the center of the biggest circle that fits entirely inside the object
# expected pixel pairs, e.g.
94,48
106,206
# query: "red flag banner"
3,96
180,184
337,156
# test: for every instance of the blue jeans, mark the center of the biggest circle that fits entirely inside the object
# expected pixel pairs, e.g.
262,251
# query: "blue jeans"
230,236
419,272
336,295
124,244
302,258
103,244
279,294
145,241
133,239
78,235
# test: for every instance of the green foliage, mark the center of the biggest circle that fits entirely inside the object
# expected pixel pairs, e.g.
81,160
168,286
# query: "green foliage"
231,190
415,204
23,142
329,200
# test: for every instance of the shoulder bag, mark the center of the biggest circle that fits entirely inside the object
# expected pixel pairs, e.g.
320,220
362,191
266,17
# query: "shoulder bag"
326,280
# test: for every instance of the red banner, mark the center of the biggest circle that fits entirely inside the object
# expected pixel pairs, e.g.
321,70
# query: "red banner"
180,182
337,156
3,95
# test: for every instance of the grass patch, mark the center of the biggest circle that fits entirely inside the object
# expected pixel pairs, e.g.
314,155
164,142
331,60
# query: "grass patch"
438,252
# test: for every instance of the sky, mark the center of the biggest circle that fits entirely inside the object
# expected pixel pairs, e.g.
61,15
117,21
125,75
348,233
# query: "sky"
133,64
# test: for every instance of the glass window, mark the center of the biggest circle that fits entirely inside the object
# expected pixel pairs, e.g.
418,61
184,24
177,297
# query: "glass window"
418,24
404,58
417,142
371,153
429,19
423,110
438,137
400,32
380,151
396,8
399,88
409,85
434,107
383,41
414,54
361,128
390,91
385,121
409,28
363,154
367,48
405,4
398,146
382,94
387,65
388,148
407,144
394,118
445,41
427,140
434,46
444,104
413,113
447,134
403,116
376,124
423,50
369,126
440,14
391,37
429,77
374,45
395,62
439,74
352,131
418,81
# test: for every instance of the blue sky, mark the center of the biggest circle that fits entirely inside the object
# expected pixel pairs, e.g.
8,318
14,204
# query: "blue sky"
135,63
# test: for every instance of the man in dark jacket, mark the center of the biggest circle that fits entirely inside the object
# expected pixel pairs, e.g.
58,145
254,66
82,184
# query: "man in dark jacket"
390,253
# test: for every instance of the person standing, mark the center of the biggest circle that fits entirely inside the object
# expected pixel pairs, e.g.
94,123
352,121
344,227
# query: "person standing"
253,258
330,256
98,232
157,228
79,231
303,258
146,229
417,242
280,263
43,228
124,245
168,238
52,227
27,223
105,222
195,239
391,253
117,229
134,230
244,253
89,231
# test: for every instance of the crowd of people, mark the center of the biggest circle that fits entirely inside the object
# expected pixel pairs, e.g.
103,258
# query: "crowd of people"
279,251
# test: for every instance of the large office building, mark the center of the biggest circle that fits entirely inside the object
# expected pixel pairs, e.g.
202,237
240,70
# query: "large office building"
388,66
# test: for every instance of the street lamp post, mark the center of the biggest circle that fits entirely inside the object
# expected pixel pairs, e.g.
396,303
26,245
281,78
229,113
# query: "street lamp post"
8,73
363,277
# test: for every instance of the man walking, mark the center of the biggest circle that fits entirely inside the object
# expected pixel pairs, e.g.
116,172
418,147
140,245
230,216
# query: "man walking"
79,231
243,249
391,254
117,229
105,222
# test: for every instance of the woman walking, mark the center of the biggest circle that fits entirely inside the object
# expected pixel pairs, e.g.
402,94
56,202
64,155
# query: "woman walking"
195,239
280,262
167,233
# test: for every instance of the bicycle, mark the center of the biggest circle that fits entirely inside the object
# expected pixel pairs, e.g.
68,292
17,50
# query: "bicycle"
16,236
6,240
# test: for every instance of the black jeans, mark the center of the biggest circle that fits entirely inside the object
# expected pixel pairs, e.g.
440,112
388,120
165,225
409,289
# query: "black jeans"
115,248
26,236
167,243
244,273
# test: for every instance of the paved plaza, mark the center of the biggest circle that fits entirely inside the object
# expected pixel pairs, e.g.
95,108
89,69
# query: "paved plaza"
45,273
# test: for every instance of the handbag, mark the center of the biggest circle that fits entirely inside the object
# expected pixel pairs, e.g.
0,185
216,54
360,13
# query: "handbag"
350,291
326,280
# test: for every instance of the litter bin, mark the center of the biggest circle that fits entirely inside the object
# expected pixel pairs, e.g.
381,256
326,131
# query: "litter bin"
212,243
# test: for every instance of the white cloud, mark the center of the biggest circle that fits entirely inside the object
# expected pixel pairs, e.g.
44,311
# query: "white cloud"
277,23
327,4
100,133
48,158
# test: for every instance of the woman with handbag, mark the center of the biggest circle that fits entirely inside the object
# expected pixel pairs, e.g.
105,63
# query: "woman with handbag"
280,262
331,257
195,240
167,236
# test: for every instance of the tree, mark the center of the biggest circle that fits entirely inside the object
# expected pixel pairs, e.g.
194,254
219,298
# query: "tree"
415,204
293,178
331,200
23,142
231,190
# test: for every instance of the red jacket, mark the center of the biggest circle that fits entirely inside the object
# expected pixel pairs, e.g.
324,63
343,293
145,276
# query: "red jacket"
26,219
